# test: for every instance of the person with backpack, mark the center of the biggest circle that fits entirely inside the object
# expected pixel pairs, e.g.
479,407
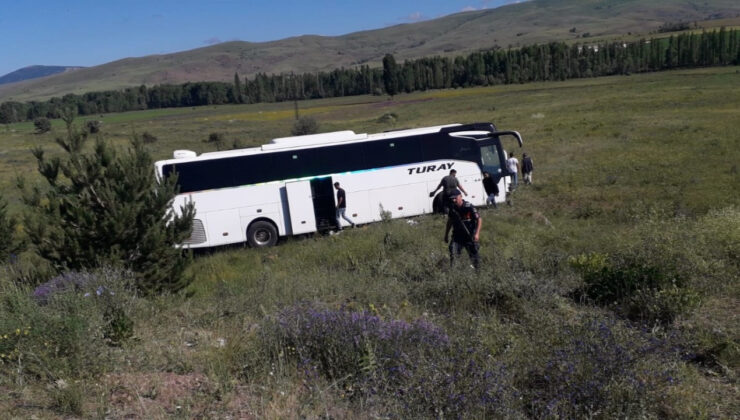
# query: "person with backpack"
465,223
527,168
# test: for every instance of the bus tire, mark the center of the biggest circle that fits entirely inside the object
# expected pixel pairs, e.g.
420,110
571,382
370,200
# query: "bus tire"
262,234
438,204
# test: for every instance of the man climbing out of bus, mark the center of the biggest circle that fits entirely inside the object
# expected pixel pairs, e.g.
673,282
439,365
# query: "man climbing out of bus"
449,184
491,189
465,223
342,207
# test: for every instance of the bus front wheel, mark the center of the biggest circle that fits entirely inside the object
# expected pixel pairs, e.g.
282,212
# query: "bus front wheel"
262,234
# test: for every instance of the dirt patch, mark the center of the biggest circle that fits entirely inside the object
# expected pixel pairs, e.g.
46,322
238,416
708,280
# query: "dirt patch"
152,395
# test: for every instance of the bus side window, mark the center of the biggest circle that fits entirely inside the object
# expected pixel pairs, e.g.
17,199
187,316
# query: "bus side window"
435,147
391,152
465,149
252,169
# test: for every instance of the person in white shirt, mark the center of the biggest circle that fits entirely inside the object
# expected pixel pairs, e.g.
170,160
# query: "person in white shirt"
512,164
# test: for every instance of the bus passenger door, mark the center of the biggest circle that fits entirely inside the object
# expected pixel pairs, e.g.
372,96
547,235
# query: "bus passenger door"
324,207
300,206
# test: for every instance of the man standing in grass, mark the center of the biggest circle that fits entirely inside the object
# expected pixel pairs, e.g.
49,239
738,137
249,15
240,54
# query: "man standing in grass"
527,168
512,164
342,207
465,223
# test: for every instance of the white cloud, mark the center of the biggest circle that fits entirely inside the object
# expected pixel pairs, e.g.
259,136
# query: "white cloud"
414,17
468,9
212,41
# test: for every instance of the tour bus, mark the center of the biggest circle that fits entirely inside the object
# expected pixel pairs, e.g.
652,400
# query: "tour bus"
285,187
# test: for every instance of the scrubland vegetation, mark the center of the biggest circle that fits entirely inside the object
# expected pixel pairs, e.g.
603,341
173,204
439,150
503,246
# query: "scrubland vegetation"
608,289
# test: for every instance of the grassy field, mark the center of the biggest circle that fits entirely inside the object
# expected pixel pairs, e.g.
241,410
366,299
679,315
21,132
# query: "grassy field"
636,182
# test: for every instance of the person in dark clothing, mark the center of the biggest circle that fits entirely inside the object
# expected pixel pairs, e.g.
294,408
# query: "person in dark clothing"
527,168
465,223
491,188
449,184
342,207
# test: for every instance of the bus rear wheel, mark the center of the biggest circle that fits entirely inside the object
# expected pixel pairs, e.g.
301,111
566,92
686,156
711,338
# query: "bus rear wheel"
262,234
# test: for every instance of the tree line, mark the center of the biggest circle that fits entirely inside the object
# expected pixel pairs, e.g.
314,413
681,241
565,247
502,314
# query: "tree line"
543,62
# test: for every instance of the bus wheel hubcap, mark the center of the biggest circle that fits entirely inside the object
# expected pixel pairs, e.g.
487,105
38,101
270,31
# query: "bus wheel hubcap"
262,236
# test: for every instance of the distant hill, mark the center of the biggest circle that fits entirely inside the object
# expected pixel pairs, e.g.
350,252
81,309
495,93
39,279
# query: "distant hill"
34,72
529,22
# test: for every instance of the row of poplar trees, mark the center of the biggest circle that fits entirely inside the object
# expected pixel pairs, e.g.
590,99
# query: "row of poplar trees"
546,62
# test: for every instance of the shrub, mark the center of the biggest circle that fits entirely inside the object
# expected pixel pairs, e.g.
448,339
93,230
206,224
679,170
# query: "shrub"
93,126
148,138
647,291
305,125
9,245
388,117
68,336
42,124
400,367
102,207
602,370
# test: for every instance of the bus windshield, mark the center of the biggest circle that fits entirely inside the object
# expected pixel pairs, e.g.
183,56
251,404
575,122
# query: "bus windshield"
490,159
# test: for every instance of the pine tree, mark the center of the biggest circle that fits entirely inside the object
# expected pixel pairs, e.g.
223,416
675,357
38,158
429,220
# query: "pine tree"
390,75
9,244
106,208
238,92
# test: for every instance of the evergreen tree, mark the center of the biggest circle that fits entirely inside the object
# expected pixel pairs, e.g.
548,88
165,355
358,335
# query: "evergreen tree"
106,208
9,244
238,92
390,75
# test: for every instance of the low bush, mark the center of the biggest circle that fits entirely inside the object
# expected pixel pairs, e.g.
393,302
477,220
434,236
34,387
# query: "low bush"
646,291
42,124
67,333
304,126
397,367
602,370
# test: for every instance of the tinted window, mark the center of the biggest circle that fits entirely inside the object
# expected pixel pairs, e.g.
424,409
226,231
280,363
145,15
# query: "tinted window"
335,159
465,149
392,152
251,169
245,170
435,146
490,159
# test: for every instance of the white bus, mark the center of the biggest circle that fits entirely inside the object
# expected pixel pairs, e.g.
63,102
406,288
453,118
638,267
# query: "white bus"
286,187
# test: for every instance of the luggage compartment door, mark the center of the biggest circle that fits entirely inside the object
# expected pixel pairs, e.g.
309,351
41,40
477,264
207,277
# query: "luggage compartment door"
300,205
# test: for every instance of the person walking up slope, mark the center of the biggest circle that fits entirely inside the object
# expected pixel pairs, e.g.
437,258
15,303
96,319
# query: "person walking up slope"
527,168
465,223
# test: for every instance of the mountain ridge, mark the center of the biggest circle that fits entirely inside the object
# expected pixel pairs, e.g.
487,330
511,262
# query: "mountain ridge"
530,22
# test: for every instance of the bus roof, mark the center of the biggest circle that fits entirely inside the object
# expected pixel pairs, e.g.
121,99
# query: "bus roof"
307,141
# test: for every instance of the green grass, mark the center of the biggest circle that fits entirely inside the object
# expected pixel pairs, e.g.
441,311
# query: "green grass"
634,168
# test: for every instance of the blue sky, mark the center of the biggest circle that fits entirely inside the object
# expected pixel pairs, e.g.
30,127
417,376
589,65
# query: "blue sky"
93,32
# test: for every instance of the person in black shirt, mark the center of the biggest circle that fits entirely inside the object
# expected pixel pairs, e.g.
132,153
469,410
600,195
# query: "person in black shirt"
491,189
465,223
527,168
342,207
